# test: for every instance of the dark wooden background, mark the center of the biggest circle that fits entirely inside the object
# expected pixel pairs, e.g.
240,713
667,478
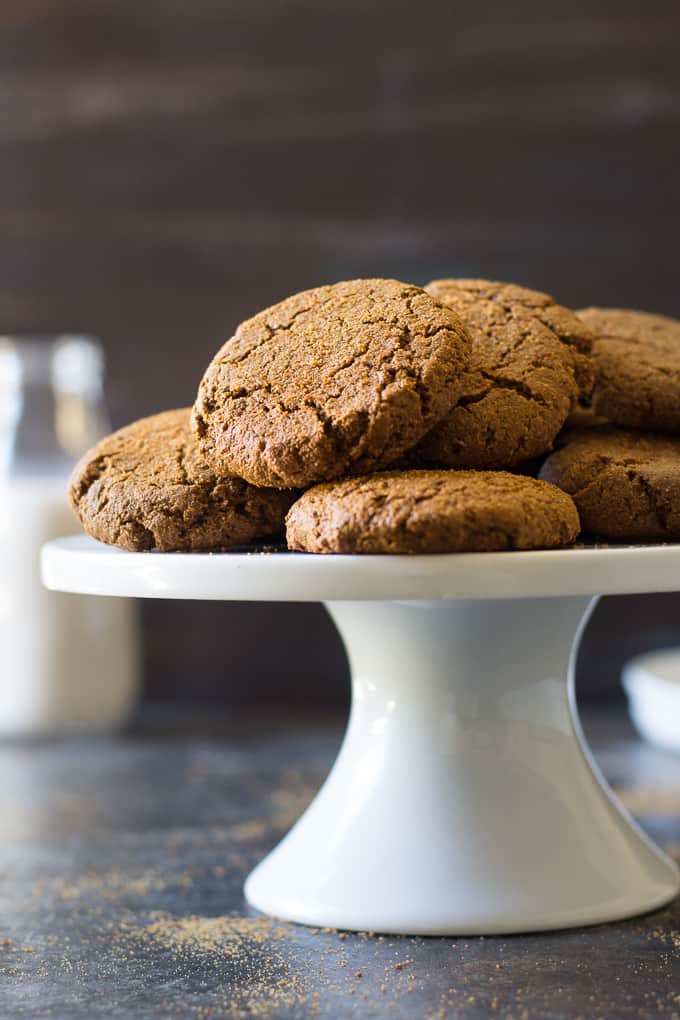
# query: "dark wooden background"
167,167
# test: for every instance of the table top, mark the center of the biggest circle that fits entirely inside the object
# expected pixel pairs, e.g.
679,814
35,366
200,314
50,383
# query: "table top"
80,564
121,871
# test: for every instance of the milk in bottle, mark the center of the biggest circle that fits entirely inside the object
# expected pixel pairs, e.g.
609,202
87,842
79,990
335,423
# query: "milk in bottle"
67,662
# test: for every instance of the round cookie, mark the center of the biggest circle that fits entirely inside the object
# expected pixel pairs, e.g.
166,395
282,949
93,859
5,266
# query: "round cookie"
529,365
339,379
625,484
637,357
148,487
431,512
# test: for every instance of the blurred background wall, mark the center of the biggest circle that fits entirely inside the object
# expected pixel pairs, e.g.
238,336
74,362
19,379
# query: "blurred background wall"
168,167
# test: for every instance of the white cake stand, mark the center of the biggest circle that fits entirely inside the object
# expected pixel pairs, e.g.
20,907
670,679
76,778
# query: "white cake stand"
463,800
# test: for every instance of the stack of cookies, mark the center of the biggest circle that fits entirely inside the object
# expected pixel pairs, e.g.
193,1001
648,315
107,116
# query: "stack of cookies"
373,416
621,463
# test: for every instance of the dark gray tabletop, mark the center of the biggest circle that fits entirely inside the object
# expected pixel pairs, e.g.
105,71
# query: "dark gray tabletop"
121,870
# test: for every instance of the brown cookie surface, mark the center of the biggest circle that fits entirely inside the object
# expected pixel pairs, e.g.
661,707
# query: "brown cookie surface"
625,484
637,357
431,512
147,486
340,379
529,363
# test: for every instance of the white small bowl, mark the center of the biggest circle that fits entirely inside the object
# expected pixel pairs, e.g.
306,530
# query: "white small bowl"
652,683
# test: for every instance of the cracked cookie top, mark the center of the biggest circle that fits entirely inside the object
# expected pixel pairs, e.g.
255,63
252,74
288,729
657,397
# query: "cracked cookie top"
637,356
147,486
431,512
625,484
339,379
529,366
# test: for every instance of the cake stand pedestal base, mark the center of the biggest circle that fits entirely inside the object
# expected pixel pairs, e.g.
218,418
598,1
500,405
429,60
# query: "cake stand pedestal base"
463,800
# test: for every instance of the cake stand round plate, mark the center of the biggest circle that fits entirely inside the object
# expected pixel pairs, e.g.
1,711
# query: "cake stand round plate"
464,800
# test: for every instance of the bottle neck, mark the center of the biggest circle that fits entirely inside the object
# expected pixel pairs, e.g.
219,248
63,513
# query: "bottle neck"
51,405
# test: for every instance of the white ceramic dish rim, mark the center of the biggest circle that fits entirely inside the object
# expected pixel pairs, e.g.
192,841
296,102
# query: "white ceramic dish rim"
646,670
81,564
654,699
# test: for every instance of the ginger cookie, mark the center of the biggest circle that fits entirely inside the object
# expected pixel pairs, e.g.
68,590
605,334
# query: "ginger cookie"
147,486
529,365
335,380
637,357
431,512
625,484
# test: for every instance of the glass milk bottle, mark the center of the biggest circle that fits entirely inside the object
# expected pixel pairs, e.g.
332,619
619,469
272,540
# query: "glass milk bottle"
67,662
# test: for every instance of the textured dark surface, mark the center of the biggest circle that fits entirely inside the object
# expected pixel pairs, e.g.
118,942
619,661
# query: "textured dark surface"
122,861
168,168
